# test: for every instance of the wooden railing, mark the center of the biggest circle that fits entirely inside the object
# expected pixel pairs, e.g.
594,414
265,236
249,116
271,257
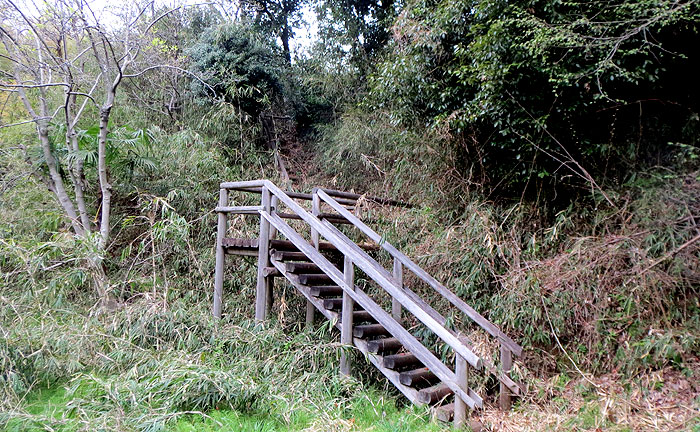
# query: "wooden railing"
321,225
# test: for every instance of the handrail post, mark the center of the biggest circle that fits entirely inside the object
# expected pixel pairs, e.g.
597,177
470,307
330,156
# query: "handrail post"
395,305
507,364
270,280
462,375
263,259
315,239
346,317
220,254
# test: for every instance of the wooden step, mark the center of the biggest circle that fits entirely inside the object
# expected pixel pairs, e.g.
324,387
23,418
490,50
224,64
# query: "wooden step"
418,377
362,316
369,330
326,290
302,267
433,394
333,303
380,346
401,360
288,256
314,279
445,413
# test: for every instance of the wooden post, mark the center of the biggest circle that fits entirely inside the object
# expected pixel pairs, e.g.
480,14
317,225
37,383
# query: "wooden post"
270,281
263,260
346,322
395,305
507,365
315,239
220,255
462,375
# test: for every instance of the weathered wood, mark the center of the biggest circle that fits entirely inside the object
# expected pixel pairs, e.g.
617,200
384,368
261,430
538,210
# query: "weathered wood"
333,304
445,413
315,238
251,210
398,276
240,242
462,374
220,256
361,316
286,246
326,290
274,203
331,217
290,194
434,394
491,328
418,377
295,267
366,302
370,330
310,314
271,271
386,281
384,345
401,360
506,365
263,260
288,256
346,331
315,279
350,195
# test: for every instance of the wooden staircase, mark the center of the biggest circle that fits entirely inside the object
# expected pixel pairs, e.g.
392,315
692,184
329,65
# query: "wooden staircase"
323,272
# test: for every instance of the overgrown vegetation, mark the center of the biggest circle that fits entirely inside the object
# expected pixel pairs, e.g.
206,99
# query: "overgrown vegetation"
550,150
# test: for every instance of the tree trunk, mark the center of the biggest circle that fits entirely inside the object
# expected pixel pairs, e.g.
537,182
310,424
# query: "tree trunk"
105,186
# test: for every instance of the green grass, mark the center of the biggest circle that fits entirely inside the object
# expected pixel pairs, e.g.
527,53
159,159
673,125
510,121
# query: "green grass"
371,410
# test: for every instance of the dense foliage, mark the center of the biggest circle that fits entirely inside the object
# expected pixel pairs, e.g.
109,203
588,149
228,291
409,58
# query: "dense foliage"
550,149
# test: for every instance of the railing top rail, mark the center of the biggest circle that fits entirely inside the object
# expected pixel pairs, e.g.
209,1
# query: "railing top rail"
363,261
479,319
254,186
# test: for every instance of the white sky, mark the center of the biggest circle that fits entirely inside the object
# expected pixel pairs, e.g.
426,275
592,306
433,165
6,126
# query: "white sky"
103,9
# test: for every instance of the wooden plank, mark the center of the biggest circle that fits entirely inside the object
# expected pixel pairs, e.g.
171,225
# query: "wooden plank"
288,256
250,210
326,290
380,275
366,302
295,267
487,325
346,331
401,360
350,195
398,276
263,261
333,303
393,376
361,316
331,217
241,251
315,279
370,330
421,376
434,394
460,408
271,271
220,256
243,184
240,242
381,346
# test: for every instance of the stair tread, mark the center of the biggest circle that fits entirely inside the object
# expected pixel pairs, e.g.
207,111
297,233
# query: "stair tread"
418,377
369,330
380,346
434,394
401,360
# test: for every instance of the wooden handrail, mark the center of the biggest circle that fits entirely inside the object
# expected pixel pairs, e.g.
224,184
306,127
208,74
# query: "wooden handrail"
382,317
479,319
367,264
